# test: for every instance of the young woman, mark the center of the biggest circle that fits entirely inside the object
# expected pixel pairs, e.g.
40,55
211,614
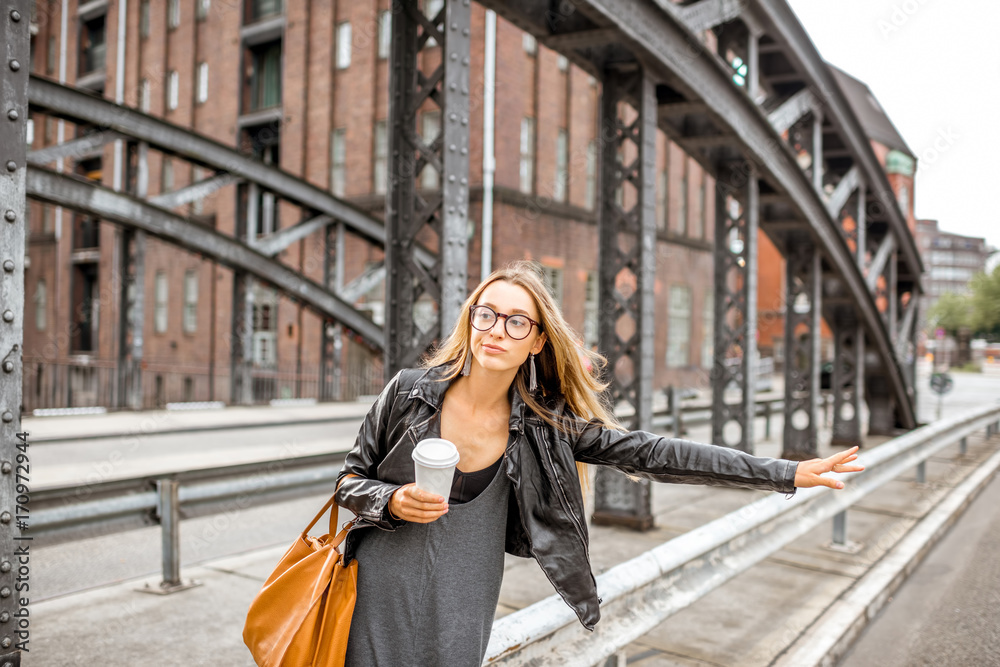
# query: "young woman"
508,387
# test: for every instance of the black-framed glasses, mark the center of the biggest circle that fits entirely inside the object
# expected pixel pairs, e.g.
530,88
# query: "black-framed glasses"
517,326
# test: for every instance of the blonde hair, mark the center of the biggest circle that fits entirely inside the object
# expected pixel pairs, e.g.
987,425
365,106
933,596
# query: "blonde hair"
560,365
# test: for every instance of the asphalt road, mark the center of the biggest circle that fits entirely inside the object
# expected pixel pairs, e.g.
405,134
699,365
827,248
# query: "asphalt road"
948,612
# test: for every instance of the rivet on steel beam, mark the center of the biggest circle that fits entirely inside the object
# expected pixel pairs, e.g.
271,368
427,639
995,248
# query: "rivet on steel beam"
8,266
8,417
452,86
5,468
5,517
12,114
464,151
8,316
454,56
465,60
8,366
15,16
11,166
5,592
465,32
454,26
465,121
5,642
4,616
9,216
5,566
451,179
15,65
451,147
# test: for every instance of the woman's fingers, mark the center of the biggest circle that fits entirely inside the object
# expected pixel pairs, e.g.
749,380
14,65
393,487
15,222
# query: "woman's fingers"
416,505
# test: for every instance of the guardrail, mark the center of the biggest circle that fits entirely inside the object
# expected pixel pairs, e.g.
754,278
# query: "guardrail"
641,593
73,512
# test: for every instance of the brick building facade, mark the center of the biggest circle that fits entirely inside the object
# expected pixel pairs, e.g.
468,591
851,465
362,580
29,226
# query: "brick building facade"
304,84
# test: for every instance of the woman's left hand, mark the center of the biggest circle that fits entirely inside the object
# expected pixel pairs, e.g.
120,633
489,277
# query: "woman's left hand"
808,472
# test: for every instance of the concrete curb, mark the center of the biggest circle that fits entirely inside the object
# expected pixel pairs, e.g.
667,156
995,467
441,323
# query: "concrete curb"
826,641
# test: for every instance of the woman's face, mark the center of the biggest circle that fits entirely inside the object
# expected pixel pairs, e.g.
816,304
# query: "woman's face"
495,350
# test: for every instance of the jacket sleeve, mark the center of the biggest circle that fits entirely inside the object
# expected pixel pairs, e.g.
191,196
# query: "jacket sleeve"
363,493
678,461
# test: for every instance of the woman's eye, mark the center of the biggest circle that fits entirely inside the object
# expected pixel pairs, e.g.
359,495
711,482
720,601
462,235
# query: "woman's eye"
518,322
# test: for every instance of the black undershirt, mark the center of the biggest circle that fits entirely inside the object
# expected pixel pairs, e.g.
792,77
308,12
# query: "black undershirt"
466,485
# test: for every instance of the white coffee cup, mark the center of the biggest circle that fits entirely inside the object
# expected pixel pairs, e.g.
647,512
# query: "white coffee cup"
434,461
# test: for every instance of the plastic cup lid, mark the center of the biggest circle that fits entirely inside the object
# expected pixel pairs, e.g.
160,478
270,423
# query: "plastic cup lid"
435,453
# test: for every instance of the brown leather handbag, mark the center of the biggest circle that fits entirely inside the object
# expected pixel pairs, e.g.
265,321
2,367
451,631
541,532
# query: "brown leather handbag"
302,615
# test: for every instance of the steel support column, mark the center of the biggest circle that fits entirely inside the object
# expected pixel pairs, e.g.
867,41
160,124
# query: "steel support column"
802,362
409,213
332,336
132,297
737,213
241,325
14,26
847,381
627,262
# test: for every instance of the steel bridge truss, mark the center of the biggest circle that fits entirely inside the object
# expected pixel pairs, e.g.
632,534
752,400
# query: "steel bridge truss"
441,214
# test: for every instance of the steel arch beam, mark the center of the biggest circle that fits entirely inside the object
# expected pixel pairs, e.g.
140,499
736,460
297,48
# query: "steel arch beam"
665,45
126,211
81,107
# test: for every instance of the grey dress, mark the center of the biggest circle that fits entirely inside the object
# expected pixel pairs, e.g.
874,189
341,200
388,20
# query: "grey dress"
427,592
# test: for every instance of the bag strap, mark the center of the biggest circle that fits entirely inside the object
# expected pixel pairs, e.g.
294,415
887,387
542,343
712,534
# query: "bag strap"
333,523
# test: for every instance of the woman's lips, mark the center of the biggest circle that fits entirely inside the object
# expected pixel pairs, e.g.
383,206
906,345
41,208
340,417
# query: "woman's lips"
493,349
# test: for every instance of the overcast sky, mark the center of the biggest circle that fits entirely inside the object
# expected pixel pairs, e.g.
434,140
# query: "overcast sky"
933,66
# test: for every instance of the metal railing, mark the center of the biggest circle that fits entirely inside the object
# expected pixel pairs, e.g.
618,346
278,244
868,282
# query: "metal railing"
641,593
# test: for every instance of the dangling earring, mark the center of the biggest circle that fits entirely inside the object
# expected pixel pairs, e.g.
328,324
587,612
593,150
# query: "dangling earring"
468,363
532,381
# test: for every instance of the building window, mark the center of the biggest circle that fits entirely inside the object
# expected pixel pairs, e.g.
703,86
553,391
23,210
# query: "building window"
591,333
530,44
85,295
190,301
591,193
708,331
338,161
144,96
160,304
682,209
384,34
554,281
562,63
344,45
527,168
202,83
93,47
903,198
261,9
264,77
201,9
265,327
173,13
167,175
562,165
662,185
144,18
430,129
173,89
679,326
41,305
381,166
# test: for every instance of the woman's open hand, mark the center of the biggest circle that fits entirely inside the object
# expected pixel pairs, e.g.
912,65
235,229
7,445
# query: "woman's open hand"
412,504
808,472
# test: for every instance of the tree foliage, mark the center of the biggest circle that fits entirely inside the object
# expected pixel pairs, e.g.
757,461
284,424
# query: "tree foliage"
979,310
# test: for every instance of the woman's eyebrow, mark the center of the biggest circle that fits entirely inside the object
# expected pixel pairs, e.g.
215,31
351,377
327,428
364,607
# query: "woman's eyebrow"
515,310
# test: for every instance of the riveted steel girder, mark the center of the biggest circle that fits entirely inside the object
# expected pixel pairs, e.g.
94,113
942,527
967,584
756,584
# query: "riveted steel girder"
848,378
627,261
802,362
81,107
664,45
411,213
127,211
14,66
132,288
737,209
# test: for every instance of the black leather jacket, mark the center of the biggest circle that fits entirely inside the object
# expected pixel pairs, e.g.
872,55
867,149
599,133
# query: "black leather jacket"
546,517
